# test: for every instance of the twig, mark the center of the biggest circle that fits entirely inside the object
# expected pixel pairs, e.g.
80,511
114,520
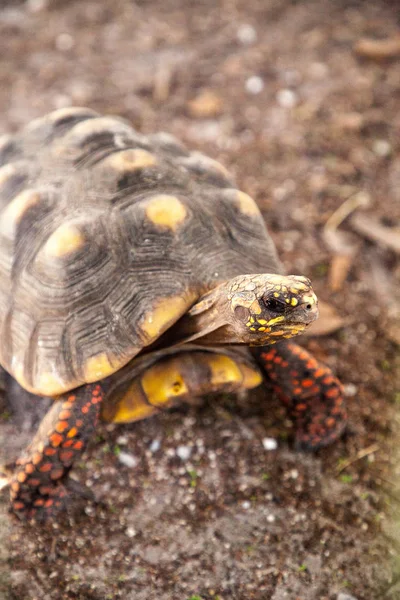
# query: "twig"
360,454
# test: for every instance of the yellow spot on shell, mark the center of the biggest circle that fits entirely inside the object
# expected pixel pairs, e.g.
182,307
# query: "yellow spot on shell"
251,377
162,383
276,295
132,406
48,384
66,239
287,300
164,314
14,212
252,320
223,370
97,367
294,302
276,320
247,205
131,160
166,211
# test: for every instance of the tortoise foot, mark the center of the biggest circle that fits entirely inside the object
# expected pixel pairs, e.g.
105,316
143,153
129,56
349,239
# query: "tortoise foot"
313,395
40,482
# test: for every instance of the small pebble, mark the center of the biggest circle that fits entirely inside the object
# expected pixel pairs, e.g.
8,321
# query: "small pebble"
254,85
246,504
155,445
381,148
271,518
128,460
64,42
350,390
246,34
130,532
122,440
346,597
184,452
286,98
269,444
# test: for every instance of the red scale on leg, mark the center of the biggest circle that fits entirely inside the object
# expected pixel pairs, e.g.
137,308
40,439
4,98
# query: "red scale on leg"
37,488
314,396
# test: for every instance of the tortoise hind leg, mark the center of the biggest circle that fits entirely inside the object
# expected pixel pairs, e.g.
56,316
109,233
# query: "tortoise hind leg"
313,395
38,486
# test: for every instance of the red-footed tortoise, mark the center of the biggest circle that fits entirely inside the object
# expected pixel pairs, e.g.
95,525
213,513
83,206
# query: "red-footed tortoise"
133,275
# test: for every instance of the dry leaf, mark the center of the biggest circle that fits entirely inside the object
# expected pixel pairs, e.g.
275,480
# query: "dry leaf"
205,105
372,229
338,270
378,49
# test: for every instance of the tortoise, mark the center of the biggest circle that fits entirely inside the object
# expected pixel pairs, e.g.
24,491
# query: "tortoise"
134,275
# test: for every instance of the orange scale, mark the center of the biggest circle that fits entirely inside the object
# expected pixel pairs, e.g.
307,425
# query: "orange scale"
50,451
307,383
18,505
46,468
56,439
333,393
65,415
48,503
21,477
29,468
56,474
61,426
78,445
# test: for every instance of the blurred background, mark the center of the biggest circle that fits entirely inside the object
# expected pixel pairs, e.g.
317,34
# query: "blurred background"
300,100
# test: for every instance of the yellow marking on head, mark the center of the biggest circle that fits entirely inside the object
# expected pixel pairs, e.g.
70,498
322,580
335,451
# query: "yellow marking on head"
131,407
163,383
294,302
253,329
248,324
287,300
14,212
247,205
65,240
255,307
97,367
262,329
312,299
262,321
164,314
130,160
166,211
276,320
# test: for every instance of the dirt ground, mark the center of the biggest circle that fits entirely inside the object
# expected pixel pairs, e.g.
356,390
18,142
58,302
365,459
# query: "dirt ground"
303,107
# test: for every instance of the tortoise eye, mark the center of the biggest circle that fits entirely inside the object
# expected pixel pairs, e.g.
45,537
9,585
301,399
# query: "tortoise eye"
274,305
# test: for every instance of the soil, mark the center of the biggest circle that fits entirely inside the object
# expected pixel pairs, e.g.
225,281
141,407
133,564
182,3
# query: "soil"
191,504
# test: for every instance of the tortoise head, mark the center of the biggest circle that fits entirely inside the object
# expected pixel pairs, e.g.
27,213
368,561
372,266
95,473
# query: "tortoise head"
256,310
271,307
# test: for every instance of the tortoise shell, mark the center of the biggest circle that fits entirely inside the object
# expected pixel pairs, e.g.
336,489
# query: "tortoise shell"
107,237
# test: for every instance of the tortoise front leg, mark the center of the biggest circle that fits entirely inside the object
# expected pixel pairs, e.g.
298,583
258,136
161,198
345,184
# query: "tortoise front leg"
37,487
313,395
